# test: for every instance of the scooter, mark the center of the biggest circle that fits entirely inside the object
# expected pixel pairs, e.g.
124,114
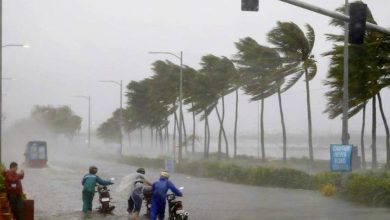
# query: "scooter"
105,199
176,211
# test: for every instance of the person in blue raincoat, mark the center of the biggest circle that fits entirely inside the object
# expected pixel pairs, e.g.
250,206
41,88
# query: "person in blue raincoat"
89,182
160,189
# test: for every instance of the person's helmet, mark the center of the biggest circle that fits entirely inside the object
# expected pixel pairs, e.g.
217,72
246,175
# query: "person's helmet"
164,173
93,170
141,170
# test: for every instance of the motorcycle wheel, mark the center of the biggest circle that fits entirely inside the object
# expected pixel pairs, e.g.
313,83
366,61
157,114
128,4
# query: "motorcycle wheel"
181,217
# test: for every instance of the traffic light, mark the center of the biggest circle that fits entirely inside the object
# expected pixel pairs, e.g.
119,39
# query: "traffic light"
249,5
357,22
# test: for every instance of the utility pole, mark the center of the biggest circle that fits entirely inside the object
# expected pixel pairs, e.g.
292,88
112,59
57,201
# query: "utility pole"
1,76
345,135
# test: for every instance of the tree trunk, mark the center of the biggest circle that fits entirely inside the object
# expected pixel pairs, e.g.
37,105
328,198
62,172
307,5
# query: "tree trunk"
283,126
205,136
151,137
167,138
160,133
219,133
156,141
235,125
387,131
208,137
373,145
141,131
174,134
262,130
223,129
185,132
129,138
311,154
362,137
193,130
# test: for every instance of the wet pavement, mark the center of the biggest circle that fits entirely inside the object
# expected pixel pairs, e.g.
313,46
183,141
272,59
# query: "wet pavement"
57,194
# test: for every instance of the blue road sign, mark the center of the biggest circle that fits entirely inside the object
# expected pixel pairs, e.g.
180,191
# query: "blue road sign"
340,158
170,165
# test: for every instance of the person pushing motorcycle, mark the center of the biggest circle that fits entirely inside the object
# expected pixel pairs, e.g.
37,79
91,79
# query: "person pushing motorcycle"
89,182
160,189
139,183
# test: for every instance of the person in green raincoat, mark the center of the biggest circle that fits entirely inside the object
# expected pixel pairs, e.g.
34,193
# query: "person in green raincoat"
89,182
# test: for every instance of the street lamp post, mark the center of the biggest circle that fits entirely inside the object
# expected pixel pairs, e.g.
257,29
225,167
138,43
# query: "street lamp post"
1,73
89,117
180,97
120,110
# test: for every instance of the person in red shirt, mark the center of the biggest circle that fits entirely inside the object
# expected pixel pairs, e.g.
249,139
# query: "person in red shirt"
14,189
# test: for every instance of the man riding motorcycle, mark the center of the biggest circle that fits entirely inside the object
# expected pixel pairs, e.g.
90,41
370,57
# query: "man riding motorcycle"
160,189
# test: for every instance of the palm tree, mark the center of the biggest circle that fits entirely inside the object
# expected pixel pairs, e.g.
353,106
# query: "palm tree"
296,47
203,97
221,72
189,87
256,65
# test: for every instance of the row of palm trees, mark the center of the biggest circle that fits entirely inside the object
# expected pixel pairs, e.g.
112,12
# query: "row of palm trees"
258,70
261,72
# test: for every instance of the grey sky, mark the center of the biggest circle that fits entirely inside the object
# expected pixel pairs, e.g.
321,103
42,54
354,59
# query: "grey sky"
75,43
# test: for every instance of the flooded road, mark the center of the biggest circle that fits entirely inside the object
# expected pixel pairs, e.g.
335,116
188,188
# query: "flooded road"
57,194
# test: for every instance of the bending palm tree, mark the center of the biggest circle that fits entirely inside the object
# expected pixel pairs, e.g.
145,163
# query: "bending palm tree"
296,46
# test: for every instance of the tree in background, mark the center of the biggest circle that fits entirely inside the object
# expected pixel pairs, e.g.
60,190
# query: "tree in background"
57,121
109,130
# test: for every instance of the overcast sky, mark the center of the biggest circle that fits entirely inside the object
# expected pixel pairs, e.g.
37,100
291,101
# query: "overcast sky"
76,43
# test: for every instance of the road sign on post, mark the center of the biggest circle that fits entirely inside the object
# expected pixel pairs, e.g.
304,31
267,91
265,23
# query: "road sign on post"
340,158
170,165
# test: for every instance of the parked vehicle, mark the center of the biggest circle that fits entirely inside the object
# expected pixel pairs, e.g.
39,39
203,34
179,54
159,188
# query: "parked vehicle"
36,154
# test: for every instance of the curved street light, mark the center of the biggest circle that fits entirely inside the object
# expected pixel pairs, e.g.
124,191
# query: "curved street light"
1,77
89,116
16,45
180,96
119,83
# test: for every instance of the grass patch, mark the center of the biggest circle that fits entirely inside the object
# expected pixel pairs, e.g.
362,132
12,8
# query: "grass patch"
369,188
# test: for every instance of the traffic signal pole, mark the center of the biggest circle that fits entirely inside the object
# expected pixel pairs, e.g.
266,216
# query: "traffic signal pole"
333,14
345,134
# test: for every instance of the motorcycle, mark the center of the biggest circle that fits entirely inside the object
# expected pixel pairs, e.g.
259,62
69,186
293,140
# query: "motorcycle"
148,202
104,199
176,211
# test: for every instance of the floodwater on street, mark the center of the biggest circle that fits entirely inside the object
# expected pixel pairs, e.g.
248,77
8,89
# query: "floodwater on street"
57,194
